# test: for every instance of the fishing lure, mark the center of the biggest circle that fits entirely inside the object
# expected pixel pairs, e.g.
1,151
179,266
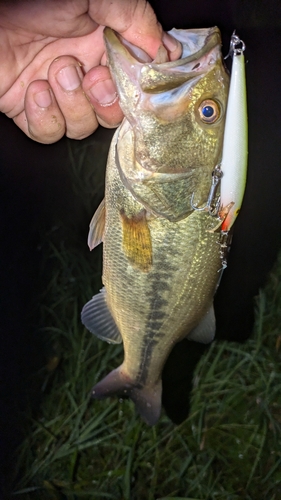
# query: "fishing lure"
235,143
230,174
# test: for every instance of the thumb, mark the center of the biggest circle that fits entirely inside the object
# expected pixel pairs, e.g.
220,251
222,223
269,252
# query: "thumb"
136,21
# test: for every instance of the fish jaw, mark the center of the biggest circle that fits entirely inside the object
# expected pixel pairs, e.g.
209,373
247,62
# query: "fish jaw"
160,74
147,399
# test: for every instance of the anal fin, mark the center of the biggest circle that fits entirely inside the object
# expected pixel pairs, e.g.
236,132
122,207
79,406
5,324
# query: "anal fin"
95,236
97,318
205,331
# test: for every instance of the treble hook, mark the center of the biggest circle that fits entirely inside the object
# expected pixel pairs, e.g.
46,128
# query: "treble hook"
216,177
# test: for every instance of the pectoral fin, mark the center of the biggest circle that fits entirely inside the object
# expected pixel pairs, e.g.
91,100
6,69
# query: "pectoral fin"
205,331
137,240
97,319
95,236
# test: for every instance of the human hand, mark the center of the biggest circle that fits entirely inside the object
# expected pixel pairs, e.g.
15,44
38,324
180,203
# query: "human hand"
72,93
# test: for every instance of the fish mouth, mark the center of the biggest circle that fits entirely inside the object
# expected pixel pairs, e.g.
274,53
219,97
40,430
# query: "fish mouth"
161,100
200,50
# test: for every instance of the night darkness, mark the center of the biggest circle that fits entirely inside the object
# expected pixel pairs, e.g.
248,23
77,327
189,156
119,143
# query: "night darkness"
35,185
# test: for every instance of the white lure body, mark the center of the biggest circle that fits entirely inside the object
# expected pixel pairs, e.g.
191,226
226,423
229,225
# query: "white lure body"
235,145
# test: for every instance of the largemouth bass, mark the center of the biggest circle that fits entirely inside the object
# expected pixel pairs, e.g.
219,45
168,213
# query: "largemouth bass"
161,256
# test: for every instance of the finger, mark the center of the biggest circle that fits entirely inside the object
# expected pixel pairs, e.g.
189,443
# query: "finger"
137,22
102,94
136,19
65,77
172,45
41,119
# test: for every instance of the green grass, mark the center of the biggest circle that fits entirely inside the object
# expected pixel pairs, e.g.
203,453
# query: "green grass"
229,448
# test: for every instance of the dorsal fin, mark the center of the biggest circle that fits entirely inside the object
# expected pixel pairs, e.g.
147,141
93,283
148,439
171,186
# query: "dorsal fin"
95,236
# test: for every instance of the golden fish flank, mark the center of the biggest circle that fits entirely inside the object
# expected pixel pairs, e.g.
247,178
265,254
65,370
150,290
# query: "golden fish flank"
160,257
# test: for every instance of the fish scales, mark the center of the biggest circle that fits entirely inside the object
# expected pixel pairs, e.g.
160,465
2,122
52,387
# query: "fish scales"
161,258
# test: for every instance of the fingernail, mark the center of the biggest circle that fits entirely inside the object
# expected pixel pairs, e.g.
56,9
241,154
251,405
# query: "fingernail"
69,78
43,99
104,92
170,42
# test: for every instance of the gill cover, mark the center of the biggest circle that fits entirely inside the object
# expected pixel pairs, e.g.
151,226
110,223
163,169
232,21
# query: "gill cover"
235,143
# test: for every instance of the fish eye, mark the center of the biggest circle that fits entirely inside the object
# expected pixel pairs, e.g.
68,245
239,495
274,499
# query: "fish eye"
209,111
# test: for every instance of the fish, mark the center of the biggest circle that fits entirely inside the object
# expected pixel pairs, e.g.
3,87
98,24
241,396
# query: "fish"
162,257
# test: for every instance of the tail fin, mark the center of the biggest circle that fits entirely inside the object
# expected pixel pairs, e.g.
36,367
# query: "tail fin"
146,399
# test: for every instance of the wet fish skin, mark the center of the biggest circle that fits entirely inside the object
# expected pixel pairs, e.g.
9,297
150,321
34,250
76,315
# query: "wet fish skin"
161,258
